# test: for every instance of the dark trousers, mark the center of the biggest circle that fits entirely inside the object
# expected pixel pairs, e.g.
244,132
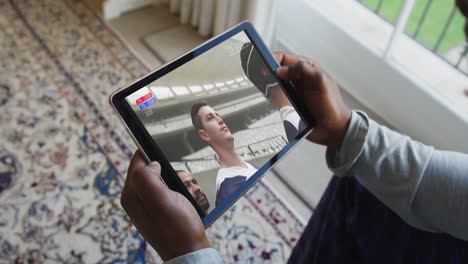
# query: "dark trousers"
350,225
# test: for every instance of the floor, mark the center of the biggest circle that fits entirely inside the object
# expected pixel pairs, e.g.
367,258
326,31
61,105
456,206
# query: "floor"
64,152
157,37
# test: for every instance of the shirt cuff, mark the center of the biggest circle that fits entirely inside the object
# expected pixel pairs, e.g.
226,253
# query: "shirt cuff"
202,256
340,161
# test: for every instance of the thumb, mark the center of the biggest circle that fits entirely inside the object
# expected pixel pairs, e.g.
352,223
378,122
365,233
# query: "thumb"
149,185
154,167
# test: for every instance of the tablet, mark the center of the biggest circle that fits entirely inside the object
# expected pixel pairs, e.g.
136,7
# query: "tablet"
217,119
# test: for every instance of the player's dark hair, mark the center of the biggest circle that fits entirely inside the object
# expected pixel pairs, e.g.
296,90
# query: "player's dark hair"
196,122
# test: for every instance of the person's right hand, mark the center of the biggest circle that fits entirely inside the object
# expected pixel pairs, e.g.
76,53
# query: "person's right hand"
321,98
166,219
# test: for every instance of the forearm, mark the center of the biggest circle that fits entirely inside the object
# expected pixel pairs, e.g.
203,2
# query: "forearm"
402,173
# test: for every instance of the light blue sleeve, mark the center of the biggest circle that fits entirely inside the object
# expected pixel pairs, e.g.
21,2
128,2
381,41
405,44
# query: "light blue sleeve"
427,188
202,256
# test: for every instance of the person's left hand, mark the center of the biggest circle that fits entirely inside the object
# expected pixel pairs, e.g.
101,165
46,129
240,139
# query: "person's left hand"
166,219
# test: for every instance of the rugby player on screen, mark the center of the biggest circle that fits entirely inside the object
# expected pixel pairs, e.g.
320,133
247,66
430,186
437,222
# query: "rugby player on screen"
214,131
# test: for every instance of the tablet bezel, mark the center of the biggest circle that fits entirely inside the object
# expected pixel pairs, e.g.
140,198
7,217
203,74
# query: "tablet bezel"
151,150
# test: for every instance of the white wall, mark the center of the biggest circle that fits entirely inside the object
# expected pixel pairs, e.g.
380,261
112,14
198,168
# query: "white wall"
405,102
114,8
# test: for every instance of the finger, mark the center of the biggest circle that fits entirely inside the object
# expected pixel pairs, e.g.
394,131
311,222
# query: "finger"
162,206
299,71
282,72
138,160
149,187
143,211
285,59
278,56
128,198
134,209
127,191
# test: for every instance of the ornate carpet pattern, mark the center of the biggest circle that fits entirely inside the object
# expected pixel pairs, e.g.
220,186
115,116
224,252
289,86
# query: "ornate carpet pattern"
64,154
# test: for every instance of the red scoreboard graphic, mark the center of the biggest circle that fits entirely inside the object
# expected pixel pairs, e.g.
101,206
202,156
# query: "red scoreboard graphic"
145,101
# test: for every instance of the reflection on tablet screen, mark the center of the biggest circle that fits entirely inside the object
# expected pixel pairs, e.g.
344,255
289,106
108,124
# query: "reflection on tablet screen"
218,118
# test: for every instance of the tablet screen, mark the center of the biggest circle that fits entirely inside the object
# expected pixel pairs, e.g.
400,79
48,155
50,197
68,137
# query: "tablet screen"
218,118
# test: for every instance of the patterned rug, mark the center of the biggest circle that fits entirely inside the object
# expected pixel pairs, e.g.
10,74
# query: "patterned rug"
64,154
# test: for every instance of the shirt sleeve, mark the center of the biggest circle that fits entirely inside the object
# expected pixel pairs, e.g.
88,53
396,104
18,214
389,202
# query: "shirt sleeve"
227,187
427,188
202,256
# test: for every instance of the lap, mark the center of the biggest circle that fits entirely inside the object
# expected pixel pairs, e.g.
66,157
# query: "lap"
350,225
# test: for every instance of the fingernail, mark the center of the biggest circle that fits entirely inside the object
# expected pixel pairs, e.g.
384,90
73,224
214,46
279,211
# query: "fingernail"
154,164
282,71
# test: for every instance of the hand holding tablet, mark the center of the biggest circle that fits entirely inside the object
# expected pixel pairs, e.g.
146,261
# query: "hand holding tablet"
165,212
321,97
166,219
216,119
